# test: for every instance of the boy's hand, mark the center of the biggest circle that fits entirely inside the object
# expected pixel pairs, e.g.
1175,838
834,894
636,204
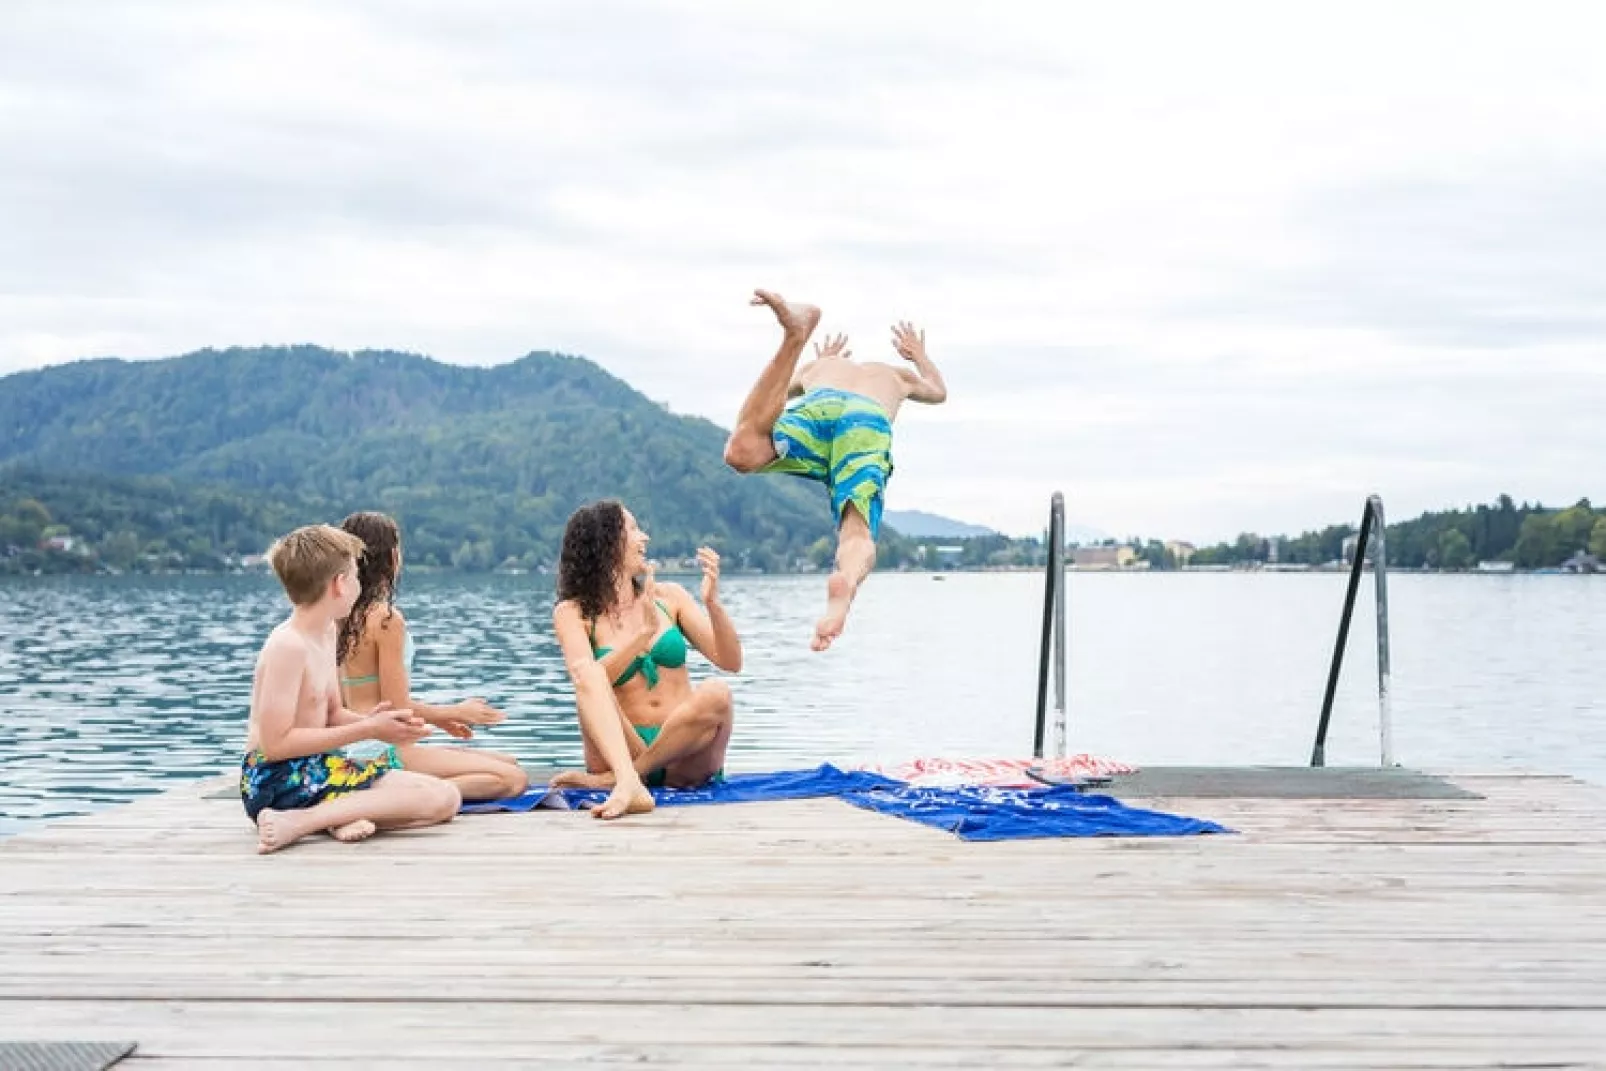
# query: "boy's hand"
910,344
393,726
476,712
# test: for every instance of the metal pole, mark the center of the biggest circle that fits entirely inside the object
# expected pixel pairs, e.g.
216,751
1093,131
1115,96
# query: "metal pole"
1318,755
1380,571
1050,587
1058,522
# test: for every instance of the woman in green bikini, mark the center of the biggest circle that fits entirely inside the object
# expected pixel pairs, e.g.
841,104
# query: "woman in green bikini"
611,613
376,659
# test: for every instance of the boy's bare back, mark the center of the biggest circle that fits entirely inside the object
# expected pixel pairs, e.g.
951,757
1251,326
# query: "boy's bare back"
889,385
882,382
303,673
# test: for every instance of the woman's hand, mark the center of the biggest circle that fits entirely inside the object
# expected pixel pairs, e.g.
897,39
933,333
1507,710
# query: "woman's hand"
708,558
647,624
476,712
391,725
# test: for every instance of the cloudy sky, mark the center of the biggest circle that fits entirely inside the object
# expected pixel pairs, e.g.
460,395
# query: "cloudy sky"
1205,268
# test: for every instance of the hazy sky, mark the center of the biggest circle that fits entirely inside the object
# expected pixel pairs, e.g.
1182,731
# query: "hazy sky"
1204,267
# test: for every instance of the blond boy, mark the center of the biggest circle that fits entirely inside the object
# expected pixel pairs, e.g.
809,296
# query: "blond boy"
294,780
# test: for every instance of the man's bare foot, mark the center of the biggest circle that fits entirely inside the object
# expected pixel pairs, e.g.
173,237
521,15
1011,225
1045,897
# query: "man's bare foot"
582,779
838,598
276,830
797,321
352,832
625,799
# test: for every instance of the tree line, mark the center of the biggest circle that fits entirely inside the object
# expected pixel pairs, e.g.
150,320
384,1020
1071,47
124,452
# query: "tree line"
1529,536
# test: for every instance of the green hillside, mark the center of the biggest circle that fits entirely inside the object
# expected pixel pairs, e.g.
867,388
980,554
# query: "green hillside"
481,465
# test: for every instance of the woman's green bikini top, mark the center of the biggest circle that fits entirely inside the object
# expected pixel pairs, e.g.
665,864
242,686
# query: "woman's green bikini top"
668,651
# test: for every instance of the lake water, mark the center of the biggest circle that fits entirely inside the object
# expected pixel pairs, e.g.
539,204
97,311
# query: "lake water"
111,687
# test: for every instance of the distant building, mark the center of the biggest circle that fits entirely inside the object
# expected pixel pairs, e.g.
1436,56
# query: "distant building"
1180,552
1497,567
947,557
1348,551
65,543
1102,557
1583,563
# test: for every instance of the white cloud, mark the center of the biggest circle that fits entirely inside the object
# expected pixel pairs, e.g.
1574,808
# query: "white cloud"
1204,267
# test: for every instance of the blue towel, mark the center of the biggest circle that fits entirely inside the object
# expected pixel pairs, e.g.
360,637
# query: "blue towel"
972,813
825,780
983,813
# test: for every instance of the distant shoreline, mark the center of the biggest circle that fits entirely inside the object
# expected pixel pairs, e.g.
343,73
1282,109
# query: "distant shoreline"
682,573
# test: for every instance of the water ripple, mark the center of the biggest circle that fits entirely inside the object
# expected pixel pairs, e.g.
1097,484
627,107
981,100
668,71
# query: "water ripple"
111,687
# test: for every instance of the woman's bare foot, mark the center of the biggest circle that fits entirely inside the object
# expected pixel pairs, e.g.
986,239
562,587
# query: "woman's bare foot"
796,320
838,598
625,799
582,779
276,830
352,832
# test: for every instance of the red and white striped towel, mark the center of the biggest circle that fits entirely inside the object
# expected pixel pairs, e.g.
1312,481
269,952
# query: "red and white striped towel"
1003,773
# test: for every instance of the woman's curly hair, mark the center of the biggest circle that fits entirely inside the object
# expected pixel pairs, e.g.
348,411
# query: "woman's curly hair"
376,575
593,550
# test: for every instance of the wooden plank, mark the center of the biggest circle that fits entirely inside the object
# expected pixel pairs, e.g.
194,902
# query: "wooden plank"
1325,934
423,1031
875,1059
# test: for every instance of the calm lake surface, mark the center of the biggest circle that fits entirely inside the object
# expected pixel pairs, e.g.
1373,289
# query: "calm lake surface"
111,687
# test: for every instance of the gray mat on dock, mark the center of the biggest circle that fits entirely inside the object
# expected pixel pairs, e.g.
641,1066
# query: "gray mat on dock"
62,1056
1286,782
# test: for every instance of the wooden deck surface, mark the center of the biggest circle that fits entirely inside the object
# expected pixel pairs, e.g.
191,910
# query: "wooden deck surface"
1326,934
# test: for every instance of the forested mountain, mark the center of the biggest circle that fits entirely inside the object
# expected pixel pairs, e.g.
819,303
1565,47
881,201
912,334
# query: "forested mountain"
480,464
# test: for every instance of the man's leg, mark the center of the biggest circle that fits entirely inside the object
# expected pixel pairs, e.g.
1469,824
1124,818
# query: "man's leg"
398,800
749,447
855,557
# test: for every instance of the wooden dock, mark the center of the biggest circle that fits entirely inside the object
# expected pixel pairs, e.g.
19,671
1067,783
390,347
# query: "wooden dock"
1398,933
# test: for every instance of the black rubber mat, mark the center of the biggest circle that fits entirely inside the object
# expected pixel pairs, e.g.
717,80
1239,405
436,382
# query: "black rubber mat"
1286,782
62,1055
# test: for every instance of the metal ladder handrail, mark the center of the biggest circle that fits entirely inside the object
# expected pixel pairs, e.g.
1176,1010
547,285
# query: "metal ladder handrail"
1373,533
1053,633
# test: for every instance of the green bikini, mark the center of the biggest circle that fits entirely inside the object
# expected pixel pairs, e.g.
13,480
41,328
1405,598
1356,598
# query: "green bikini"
668,651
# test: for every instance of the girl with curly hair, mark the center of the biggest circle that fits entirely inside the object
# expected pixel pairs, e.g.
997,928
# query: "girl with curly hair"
376,656
625,639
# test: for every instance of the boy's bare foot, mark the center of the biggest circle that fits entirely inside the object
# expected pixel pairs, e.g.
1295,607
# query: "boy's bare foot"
625,799
276,830
798,321
352,832
582,779
838,598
